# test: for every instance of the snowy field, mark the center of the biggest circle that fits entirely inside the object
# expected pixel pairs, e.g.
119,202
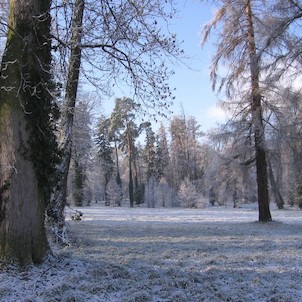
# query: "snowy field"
161,255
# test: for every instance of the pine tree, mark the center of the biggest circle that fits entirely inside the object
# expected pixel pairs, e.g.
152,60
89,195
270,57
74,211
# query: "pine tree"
105,151
162,156
124,128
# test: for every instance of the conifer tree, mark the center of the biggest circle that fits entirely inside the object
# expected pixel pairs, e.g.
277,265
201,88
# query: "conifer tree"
237,47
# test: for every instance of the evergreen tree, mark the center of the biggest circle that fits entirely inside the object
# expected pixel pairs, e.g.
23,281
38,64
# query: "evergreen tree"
114,193
123,126
81,152
150,151
105,151
150,160
179,150
162,156
78,184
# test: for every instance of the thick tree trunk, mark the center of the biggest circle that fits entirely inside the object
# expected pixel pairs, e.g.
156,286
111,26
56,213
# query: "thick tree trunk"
22,233
24,98
261,163
58,201
262,180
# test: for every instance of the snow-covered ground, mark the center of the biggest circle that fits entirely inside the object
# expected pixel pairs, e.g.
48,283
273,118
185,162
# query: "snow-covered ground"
157,255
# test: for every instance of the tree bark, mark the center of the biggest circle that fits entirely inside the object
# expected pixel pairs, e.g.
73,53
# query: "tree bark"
275,188
58,202
24,97
261,162
131,185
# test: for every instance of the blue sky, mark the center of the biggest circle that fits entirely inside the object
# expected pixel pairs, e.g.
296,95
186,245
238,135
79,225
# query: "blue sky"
193,86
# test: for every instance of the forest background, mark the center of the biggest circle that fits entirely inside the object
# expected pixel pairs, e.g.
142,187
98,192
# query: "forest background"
185,156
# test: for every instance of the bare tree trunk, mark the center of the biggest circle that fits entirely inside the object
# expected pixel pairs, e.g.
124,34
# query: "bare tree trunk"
261,163
118,176
116,157
131,184
24,101
275,188
297,176
58,202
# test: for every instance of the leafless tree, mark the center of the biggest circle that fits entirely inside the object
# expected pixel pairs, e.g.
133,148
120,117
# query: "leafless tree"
112,43
238,49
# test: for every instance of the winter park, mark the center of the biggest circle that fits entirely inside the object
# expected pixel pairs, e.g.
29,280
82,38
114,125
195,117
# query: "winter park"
150,151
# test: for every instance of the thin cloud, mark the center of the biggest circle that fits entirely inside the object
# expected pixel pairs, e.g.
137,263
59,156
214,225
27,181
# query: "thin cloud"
217,113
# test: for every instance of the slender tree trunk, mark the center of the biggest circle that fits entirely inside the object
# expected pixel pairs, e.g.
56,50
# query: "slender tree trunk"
130,154
137,182
116,157
107,179
24,97
131,187
297,166
56,208
118,176
274,187
261,163
131,184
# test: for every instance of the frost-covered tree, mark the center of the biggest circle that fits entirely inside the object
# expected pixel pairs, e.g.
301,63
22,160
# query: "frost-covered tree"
179,150
239,47
28,149
282,40
162,156
114,193
81,152
164,194
124,127
150,153
184,149
285,146
105,150
150,161
188,194
58,200
150,190
120,42
78,183
232,167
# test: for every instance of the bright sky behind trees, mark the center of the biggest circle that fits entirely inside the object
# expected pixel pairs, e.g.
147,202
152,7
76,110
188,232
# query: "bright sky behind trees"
193,86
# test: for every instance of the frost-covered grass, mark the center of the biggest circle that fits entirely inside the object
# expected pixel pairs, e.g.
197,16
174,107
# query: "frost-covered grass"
156,255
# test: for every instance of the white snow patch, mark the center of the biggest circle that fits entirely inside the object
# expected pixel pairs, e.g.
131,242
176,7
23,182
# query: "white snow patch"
168,255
